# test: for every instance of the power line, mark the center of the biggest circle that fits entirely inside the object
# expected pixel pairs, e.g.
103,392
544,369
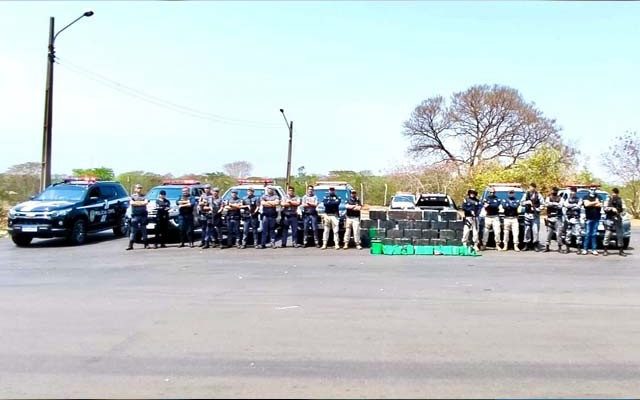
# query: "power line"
130,91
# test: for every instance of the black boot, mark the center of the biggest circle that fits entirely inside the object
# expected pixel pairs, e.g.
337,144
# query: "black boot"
181,244
605,252
546,249
130,245
622,253
146,244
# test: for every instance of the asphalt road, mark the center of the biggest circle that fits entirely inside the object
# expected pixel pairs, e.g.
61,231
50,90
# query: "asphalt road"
96,321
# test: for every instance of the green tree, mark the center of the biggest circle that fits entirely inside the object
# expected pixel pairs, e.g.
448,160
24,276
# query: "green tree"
101,173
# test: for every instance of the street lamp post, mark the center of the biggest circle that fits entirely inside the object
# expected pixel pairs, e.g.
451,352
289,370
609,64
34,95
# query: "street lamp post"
290,126
45,175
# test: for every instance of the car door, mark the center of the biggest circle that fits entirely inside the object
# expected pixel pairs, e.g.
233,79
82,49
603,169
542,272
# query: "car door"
109,197
96,208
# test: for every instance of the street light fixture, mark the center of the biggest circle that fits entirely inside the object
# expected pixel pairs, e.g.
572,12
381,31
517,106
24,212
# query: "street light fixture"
45,176
290,126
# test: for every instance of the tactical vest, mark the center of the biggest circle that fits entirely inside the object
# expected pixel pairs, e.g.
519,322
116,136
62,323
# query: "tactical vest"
162,208
535,202
470,206
553,206
573,212
493,206
614,203
252,202
353,202
511,208
331,205
290,210
138,211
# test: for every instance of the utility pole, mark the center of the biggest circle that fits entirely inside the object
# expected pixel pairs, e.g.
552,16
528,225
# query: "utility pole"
290,126
45,175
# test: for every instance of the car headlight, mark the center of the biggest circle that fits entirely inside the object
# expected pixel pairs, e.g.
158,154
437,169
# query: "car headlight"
12,213
60,213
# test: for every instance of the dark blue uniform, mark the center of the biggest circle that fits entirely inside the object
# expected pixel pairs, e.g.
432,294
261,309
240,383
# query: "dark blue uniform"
269,215
233,221
290,214
138,219
310,218
251,219
162,221
185,218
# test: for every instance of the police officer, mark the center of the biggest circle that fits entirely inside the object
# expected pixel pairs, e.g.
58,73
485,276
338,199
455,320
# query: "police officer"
593,215
138,217
532,203
269,201
163,205
290,205
330,221
613,209
511,224
353,220
571,208
492,206
251,218
553,222
186,204
206,216
310,216
471,207
217,207
233,206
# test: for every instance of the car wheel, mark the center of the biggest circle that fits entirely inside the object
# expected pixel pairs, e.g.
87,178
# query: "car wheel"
625,243
122,227
78,233
21,240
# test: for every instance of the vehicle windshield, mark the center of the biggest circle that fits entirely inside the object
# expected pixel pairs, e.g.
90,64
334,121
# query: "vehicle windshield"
433,201
503,195
242,193
405,199
173,194
322,193
63,193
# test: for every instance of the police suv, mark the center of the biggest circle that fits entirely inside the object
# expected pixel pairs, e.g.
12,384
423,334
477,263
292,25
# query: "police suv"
502,192
173,187
71,209
582,191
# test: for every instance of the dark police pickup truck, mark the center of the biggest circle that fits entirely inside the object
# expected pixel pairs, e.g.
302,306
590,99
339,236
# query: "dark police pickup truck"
70,209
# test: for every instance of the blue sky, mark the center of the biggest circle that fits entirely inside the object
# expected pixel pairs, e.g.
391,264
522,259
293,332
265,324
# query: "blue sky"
347,74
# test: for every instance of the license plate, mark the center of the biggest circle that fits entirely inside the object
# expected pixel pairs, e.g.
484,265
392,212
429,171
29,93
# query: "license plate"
29,229
151,226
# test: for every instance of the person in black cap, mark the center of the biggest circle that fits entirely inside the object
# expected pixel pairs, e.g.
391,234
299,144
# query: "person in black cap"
163,205
614,208
352,222
471,207
571,226
138,217
511,225
233,206
553,222
330,220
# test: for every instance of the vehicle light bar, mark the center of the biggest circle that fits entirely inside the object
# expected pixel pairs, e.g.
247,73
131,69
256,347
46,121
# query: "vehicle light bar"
335,183
180,182
265,181
87,179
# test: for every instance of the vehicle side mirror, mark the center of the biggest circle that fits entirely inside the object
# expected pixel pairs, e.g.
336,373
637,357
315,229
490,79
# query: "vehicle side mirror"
32,197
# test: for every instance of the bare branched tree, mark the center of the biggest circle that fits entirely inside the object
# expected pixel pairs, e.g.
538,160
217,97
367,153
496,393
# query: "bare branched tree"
238,169
623,161
483,123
